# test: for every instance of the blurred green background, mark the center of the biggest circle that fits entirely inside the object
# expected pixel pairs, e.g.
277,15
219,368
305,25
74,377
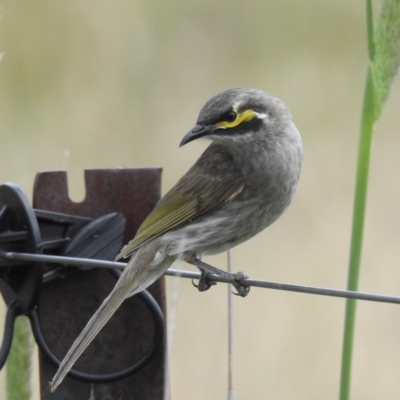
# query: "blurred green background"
100,84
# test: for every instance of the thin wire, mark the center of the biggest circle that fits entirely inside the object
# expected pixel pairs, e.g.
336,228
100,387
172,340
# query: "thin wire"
231,391
80,262
171,331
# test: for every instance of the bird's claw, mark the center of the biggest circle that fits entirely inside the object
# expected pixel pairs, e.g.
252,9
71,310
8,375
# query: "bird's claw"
204,283
241,290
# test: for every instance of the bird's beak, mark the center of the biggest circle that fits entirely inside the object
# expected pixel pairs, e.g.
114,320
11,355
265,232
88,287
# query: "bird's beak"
197,132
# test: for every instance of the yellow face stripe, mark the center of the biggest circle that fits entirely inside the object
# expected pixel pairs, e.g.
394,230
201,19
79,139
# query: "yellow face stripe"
243,116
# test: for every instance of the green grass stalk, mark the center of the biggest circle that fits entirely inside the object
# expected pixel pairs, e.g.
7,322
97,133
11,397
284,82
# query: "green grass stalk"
18,370
384,59
360,199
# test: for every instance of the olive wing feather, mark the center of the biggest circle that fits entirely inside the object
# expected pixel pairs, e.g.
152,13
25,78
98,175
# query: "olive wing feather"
212,181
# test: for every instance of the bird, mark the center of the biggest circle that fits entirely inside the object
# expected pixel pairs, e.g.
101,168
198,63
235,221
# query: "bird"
242,183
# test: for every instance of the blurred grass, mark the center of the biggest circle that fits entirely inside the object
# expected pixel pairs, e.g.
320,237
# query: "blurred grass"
18,368
120,83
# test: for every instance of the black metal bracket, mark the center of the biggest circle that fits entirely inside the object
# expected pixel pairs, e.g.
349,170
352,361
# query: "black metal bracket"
27,230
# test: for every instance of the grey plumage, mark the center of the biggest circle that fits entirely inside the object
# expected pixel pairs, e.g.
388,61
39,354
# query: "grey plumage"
240,185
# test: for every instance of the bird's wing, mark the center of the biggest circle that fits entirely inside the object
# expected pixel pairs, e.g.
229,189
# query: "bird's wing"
212,181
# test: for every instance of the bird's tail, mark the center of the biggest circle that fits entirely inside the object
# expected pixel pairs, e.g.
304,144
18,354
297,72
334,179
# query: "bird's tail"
123,288
98,320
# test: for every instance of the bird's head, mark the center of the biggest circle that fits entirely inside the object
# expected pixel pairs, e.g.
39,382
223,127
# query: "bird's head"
238,115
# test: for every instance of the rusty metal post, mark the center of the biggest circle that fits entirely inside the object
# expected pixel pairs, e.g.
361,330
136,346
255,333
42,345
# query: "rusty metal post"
66,304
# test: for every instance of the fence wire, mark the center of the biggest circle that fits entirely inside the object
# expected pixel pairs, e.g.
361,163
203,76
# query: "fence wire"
84,262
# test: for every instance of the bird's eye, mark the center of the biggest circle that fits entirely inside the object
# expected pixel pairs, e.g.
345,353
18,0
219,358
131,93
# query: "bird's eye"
230,116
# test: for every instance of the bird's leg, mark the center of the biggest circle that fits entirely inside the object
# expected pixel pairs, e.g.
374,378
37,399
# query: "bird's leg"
206,269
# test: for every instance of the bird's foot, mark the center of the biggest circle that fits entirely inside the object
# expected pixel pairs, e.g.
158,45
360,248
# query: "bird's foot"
241,290
205,283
